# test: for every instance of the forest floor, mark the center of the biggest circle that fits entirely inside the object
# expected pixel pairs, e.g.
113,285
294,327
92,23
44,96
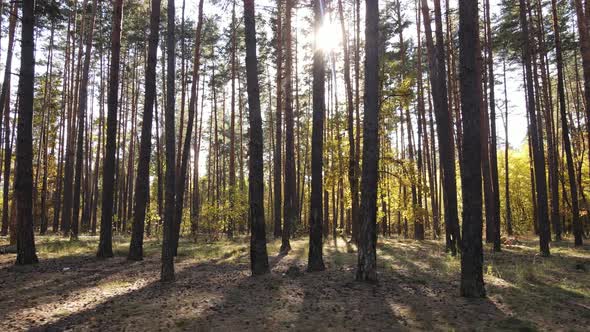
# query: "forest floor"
418,289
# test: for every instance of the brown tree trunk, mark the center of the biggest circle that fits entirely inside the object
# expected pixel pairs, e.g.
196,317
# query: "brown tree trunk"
105,247
82,106
577,225
167,272
367,254
142,183
472,284
537,143
23,183
258,254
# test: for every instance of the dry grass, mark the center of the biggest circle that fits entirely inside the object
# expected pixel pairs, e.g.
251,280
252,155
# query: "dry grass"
418,289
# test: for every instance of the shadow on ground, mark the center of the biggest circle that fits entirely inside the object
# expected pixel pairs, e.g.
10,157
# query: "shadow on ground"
417,289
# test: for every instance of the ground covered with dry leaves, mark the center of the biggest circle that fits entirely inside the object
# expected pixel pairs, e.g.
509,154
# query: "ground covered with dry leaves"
418,285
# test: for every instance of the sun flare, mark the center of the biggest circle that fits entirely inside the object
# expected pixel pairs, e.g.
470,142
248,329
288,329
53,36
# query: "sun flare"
329,36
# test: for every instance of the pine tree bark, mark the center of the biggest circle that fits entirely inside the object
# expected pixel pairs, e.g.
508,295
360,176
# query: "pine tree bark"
577,225
278,164
167,272
436,61
472,284
315,260
142,182
82,106
290,195
537,144
352,158
367,250
23,183
493,149
5,113
105,247
258,254
181,178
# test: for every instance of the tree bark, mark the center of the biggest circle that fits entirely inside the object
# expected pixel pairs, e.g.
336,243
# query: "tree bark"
577,225
315,260
142,183
167,272
472,284
23,183
367,250
537,143
258,254
105,247
82,106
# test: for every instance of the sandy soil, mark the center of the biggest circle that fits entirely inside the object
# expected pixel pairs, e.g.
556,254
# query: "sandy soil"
417,290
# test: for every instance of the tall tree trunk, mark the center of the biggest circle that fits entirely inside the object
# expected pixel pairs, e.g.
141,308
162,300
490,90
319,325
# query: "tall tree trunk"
585,50
506,148
181,178
142,184
278,165
232,129
167,272
352,158
105,247
315,260
258,254
290,207
82,105
5,113
367,252
493,152
578,231
472,284
23,183
436,60
537,143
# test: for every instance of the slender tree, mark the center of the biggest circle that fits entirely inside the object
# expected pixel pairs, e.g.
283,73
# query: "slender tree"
578,231
23,184
167,272
5,113
142,182
367,251
82,106
536,139
105,247
290,207
472,284
315,260
181,177
436,61
278,164
258,254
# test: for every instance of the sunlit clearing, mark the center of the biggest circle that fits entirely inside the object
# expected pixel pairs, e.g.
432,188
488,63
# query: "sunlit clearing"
329,36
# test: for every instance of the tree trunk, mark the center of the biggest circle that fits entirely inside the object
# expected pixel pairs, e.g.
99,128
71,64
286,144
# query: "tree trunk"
472,251
23,186
290,207
436,60
278,128
258,255
181,178
5,113
315,260
537,143
142,184
105,247
82,105
367,250
578,231
167,272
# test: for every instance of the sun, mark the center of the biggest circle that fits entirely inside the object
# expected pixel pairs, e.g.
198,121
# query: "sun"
329,36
